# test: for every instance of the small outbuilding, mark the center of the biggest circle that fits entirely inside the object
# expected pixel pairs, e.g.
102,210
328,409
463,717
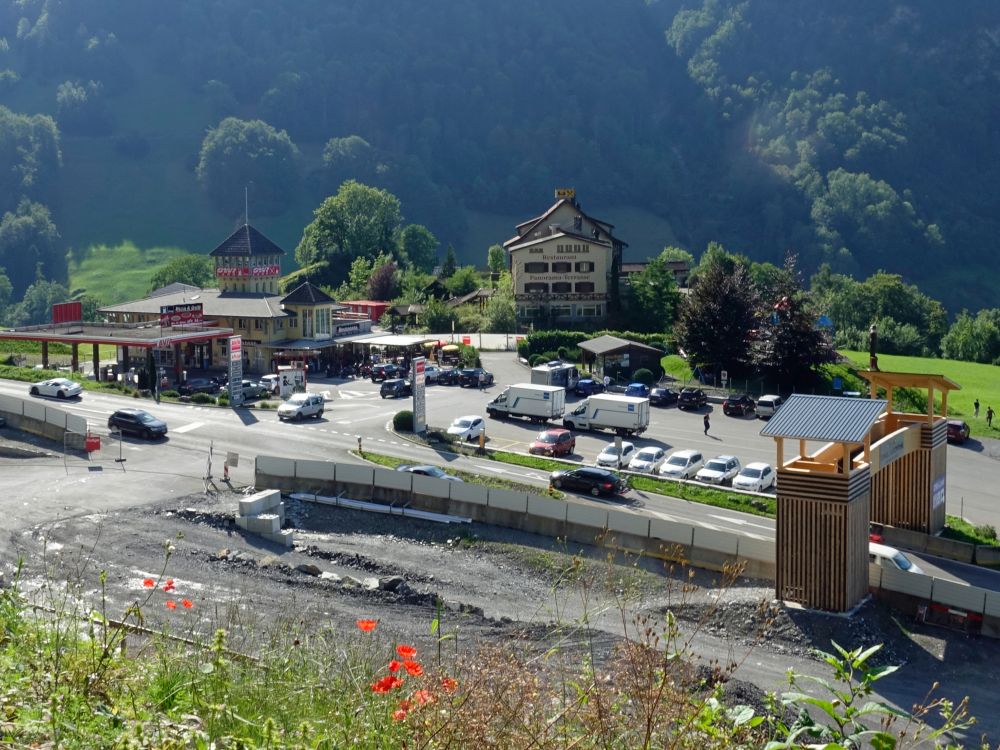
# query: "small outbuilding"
620,358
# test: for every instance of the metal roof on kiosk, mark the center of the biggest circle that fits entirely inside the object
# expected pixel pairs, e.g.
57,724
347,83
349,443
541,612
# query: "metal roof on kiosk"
829,419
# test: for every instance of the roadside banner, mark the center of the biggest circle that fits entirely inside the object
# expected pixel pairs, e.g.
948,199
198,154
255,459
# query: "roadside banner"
418,379
235,370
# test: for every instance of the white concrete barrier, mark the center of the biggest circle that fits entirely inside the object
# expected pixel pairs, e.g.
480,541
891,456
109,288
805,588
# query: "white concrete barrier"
259,502
508,500
671,531
467,492
586,515
310,469
430,486
55,417
958,595
354,474
76,423
992,606
546,507
628,523
715,541
906,583
389,479
274,466
11,404
34,410
751,548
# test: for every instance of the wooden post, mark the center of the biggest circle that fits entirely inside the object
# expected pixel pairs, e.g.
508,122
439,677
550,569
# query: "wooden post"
944,403
868,448
845,460
45,355
930,406
96,356
75,357
779,443
802,448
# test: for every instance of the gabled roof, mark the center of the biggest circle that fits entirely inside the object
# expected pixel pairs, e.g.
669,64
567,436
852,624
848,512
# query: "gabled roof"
526,227
828,419
519,243
607,344
215,303
173,288
480,293
308,293
246,241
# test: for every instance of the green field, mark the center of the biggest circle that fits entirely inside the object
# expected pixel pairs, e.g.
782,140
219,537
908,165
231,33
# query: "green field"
117,274
976,381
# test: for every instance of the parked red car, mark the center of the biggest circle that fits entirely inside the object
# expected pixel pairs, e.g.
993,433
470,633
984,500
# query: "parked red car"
553,443
740,404
958,431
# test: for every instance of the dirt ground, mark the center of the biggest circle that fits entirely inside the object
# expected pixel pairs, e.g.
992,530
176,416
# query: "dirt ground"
484,585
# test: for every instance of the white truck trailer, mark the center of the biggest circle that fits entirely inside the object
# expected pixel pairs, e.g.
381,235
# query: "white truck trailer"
625,415
538,403
562,374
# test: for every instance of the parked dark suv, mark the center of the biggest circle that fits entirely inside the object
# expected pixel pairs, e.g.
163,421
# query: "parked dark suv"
137,422
692,398
469,377
198,385
385,371
740,404
662,397
395,387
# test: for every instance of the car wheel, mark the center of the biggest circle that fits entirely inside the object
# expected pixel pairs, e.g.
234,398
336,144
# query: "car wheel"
382,395
319,414
34,391
595,491
557,484
61,394
146,434
298,417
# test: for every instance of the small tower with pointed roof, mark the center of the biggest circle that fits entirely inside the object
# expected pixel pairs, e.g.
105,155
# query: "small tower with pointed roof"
247,262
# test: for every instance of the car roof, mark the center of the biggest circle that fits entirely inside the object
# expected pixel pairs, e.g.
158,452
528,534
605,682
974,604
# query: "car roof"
725,457
554,431
882,549
624,443
769,397
468,416
685,452
757,465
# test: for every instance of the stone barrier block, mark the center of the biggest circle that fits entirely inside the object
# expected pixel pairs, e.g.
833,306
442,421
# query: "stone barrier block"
275,466
671,531
586,515
467,492
751,548
713,540
951,549
355,474
55,417
431,486
906,583
76,423
11,405
394,480
285,537
992,606
628,523
323,471
987,554
34,410
546,507
874,576
508,500
259,502
264,523
958,595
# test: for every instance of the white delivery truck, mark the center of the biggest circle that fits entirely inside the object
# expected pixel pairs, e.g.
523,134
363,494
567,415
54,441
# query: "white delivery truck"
562,374
625,415
539,403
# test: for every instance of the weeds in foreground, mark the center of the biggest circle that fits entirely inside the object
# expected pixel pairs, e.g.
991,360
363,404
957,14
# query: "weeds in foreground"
75,678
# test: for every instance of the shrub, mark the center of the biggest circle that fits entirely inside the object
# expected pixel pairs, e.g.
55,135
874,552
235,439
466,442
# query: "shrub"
202,398
223,399
169,394
536,359
266,405
644,376
403,421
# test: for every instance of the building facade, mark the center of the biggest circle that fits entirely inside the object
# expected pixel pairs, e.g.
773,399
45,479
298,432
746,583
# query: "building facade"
565,266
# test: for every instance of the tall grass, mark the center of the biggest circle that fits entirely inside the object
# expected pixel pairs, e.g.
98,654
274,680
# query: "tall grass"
119,273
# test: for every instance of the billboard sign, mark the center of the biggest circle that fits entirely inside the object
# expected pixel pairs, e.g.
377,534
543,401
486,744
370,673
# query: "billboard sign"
240,272
419,395
67,312
181,315
235,370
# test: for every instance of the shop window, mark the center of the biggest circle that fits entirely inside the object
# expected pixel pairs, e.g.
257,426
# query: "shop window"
536,267
537,287
527,312
241,323
258,324
589,311
562,287
585,266
561,311
585,286
562,267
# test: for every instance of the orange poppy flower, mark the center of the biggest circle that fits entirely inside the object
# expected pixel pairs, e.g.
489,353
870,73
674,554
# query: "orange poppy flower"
394,666
187,604
171,604
448,684
406,652
399,714
413,668
148,583
366,626
423,697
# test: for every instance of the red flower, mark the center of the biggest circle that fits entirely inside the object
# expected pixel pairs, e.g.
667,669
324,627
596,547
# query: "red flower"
187,604
148,583
169,585
448,685
405,705
171,604
406,652
366,626
413,668
423,697
387,683
394,666
399,714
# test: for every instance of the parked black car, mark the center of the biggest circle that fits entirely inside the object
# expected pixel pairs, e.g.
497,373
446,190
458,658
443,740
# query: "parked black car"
449,376
469,377
739,403
662,397
395,387
198,385
588,479
137,422
692,398
386,370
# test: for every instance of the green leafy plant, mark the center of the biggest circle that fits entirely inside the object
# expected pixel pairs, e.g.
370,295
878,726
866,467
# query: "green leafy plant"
402,421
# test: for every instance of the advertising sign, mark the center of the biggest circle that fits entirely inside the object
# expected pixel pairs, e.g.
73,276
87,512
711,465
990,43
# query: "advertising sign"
176,315
239,272
235,370
565,193
67,312
419,395
291,379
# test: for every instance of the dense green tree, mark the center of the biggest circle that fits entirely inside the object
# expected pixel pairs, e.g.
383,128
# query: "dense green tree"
653,296
465,279
81,108
716,318
248,153
359,221
6,291
30,157
496,259
350,158
36,306
438,317
196,270
974,339
383,284
418,247
29,246
499,314
450,262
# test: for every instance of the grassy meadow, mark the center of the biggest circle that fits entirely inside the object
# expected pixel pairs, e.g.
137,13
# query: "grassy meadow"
117,274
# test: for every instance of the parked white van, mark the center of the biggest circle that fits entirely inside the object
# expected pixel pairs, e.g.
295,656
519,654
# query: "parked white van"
768,405
682,464
889,557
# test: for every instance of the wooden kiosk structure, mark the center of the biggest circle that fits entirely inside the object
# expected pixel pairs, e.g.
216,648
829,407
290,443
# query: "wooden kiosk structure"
909,454
823,499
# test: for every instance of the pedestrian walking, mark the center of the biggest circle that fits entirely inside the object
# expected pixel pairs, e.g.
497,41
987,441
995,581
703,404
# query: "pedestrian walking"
607,381
482,380
706,424
975,407
989,416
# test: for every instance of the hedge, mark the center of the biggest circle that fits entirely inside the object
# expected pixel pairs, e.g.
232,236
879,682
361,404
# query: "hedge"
541,342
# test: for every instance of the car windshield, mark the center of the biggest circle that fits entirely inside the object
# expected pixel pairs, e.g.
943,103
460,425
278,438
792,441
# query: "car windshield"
677,461
145,417
646,454
716,466
546,437
463,423
298,398
611,451
753,473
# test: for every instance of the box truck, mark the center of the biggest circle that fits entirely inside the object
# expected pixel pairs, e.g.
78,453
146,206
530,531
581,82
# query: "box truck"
562,374
625,415
538,403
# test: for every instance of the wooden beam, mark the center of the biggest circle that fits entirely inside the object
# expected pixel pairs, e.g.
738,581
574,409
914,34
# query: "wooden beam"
779,443
944,404
802,448
930,406
845,462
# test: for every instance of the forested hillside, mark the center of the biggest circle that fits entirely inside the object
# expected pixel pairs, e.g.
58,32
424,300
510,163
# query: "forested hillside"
857,134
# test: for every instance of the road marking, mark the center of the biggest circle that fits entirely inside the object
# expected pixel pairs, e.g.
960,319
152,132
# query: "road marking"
189,427
741,522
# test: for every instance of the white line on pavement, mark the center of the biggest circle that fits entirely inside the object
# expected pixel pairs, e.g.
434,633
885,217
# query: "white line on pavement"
189,427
